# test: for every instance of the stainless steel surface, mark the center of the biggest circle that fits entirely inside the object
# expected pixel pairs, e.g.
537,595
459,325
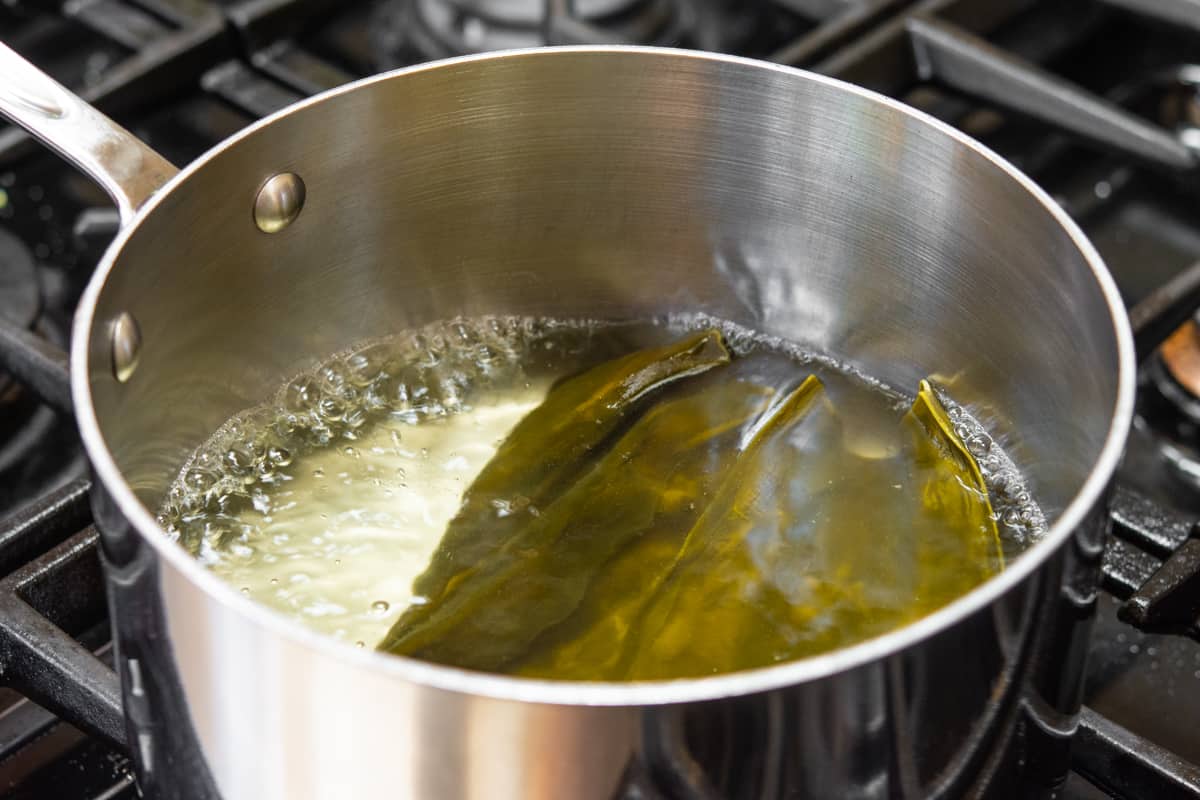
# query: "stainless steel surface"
612,182
278,202
126,346
127,169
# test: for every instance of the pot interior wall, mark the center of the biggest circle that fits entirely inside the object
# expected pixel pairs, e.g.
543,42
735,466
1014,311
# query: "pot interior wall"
612,184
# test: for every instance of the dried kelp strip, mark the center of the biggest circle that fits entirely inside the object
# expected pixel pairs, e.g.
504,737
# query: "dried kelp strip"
545,452
712,611
800,561
650,481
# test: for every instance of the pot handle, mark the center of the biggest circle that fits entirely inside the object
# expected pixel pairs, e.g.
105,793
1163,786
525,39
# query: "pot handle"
116,159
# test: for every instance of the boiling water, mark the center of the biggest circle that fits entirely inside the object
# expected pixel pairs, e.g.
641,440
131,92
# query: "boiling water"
326,503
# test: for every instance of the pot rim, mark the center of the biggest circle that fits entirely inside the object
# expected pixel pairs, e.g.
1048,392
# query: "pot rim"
608,693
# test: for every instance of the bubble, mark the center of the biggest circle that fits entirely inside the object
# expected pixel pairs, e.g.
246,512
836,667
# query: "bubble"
286,425
331,377
375,397
488,355
364,367
199,480
331,409
279,456
301,395
506,507
319,434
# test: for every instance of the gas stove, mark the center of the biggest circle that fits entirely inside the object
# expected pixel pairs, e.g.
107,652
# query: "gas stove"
1097,100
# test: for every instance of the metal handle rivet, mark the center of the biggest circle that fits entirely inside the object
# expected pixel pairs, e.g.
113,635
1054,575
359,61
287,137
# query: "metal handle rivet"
278,202
126,346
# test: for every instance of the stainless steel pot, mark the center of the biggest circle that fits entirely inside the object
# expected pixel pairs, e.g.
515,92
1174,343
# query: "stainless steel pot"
597,182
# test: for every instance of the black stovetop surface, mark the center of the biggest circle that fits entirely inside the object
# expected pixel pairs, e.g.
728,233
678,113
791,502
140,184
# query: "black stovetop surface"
184,74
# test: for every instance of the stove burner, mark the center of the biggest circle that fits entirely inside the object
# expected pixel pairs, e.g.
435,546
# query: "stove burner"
37,446
20,303
20,299
1169,405
1181,357
1167,341
1179,104
410,30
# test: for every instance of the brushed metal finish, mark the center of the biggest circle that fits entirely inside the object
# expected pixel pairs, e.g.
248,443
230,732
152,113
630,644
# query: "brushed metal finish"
279,202
125,167
612,182
126,346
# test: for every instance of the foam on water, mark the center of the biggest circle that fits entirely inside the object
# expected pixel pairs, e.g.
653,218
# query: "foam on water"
1020,517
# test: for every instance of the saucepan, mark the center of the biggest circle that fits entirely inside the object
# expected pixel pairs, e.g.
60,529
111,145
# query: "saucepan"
598,182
